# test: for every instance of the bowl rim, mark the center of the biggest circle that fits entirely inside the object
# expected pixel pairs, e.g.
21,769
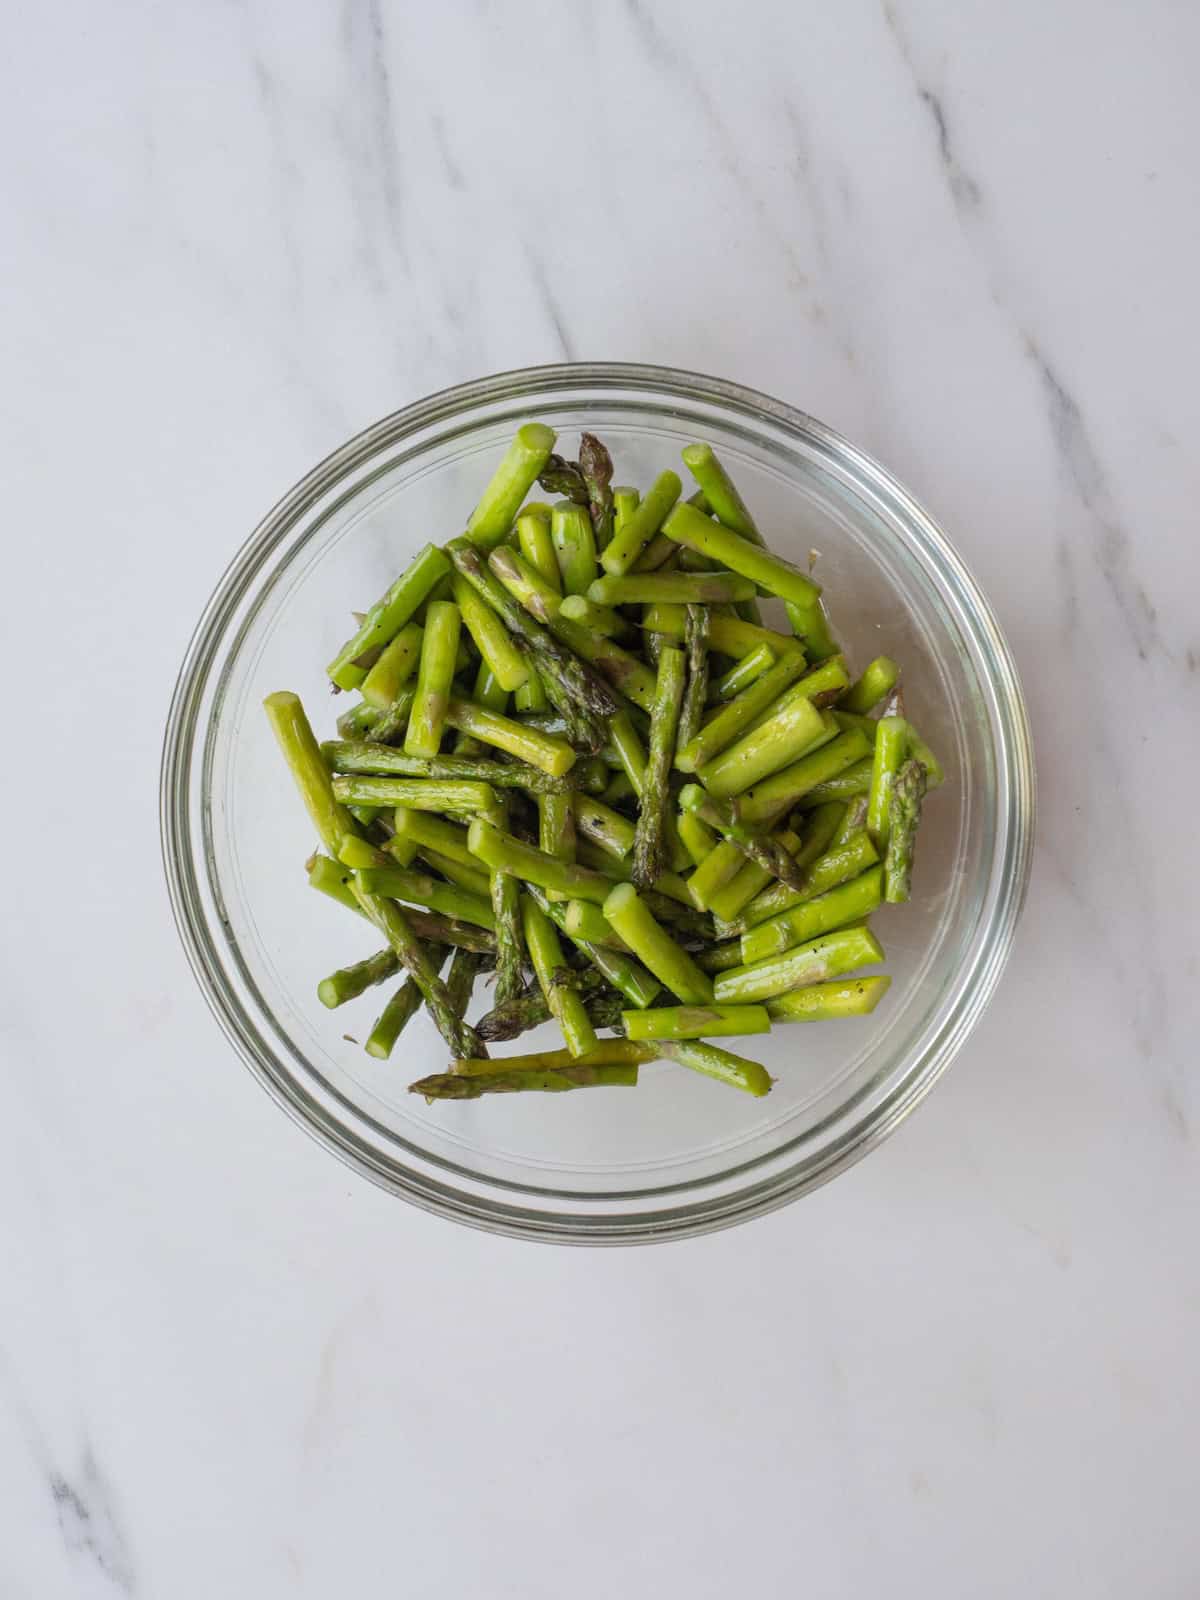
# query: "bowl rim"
180,747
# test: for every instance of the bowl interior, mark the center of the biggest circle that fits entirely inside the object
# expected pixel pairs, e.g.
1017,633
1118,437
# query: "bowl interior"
679,1144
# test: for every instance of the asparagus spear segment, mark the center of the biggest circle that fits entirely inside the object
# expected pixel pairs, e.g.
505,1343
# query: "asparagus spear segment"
691,712
414,957
530,1008
720,544
574,547
904,816
298,745
417,794
502,853
719,491
774,795
715,1062
511,1080
642,523
506,910
648,845
732,720
358,721
395,666
366,759
435,676
743,673
387,616
849,784
815,961
822,1002
584,613
391,1022
614,833
670,588
891,748
527,744
810,623
492,639
694,1022
554,978
782,739
536,545
347,983
654,946
878,680
596,467
417,888
625,974
836,866
514,477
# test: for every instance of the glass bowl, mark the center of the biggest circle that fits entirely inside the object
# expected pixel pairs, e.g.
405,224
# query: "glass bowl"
680,1154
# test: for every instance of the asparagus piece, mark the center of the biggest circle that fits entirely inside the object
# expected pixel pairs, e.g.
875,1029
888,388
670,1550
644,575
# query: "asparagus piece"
464,969
614,833
691,713
294,735
728,636
414,958
347,983
506,909
509,1080
394,721
732,720
891,748
531,696
810,623
770,572
743,673
694,1022
776,743
563,477
904,816
699,840
768,799
574,689
514,477
920,751
848,784
670,588
671,965
648,847
820,1002
536,545
527,744
625,974
849,902
502,853
660,554
577,608
625,502
387,616
878,680
395,666
815,961
393,1019
556,827
416,794
717,869
418,888
591,775
351,756
492,639
607,1053
425,832
595,465
641,524
468,878
359,720
714,1062
525,585
719,492
435,676
821,685
852,820
629,749
553,976
574,547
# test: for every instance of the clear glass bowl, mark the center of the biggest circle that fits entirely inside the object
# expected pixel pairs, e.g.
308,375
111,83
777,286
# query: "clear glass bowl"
679,1155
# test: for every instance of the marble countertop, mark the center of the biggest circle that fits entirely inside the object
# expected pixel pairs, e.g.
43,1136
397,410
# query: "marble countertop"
966,236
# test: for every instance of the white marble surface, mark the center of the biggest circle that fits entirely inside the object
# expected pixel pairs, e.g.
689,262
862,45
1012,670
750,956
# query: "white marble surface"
966,235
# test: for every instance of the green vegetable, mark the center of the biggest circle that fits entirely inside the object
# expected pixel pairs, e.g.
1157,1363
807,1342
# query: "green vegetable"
693,1022
822,1002
904,816
511,482
648,845
654,946
435,676
387,616
815,961
641,524
717,543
